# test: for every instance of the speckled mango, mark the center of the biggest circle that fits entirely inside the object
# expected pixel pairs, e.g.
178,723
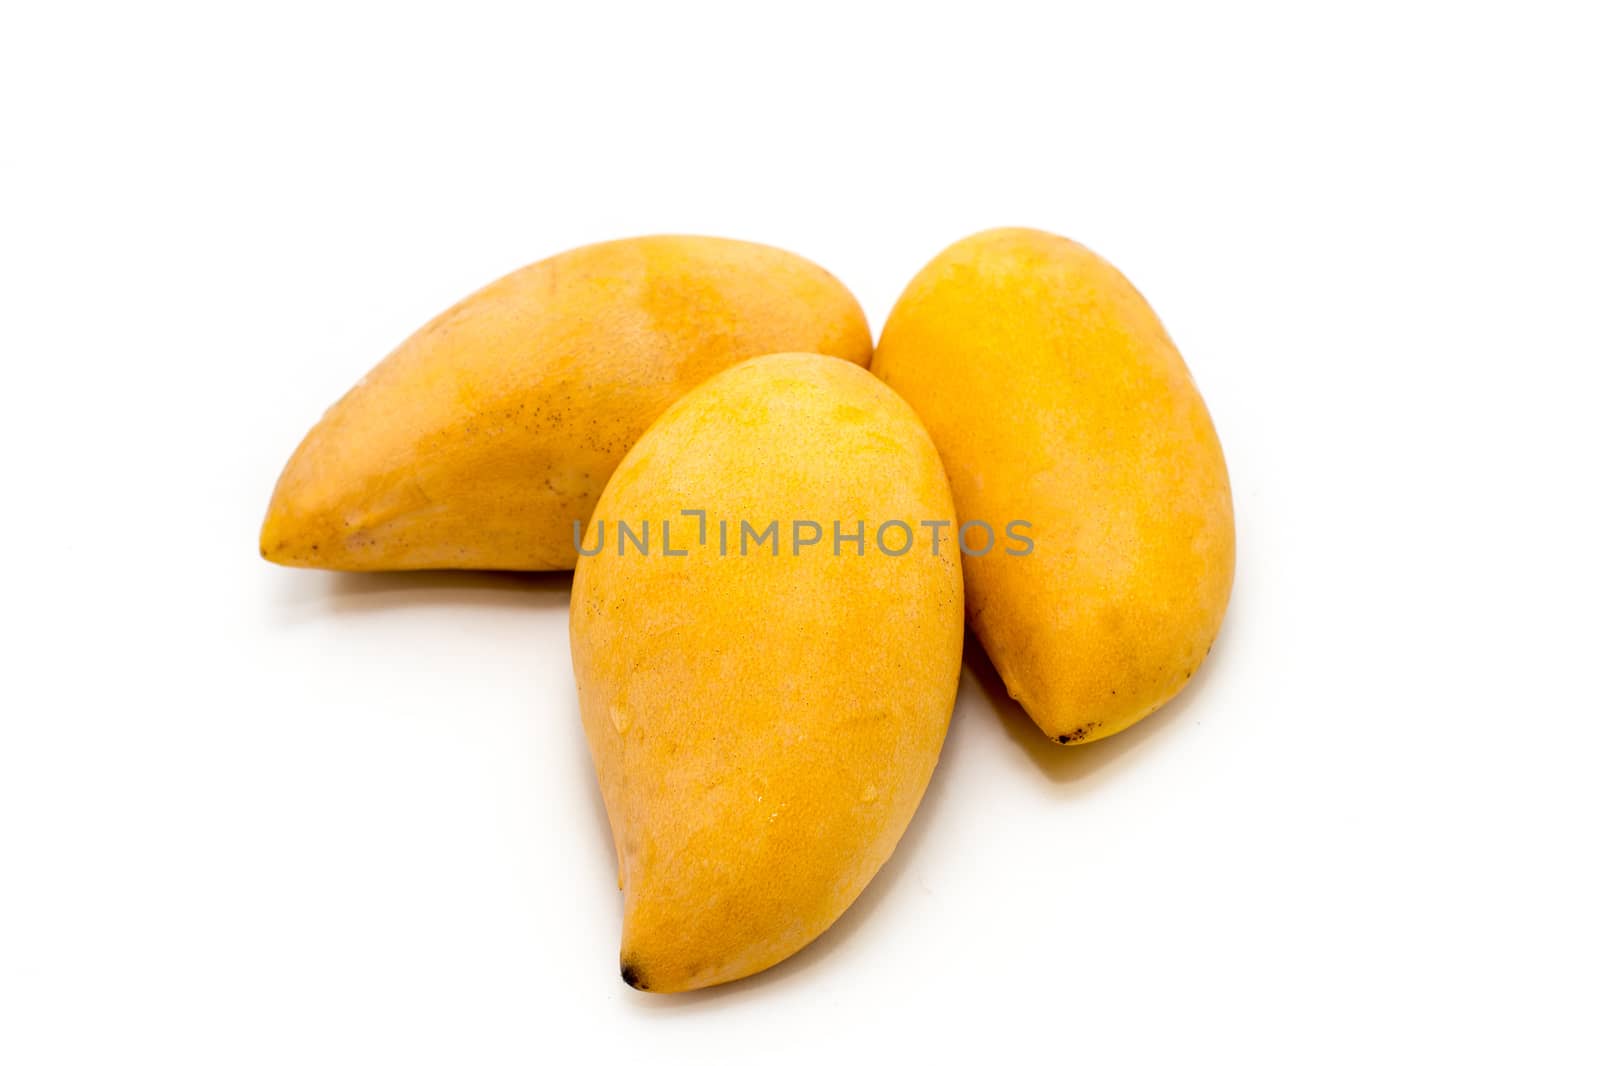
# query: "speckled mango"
763,725
1055,397
481,439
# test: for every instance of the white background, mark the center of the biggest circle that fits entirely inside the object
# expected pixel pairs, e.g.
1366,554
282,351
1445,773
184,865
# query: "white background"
249,815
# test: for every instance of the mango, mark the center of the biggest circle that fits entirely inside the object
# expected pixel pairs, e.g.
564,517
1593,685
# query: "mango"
764,716
1056,399
481,440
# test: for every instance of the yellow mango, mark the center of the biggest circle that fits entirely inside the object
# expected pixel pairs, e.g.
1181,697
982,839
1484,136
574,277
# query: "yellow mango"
763,722
1056,398
481,439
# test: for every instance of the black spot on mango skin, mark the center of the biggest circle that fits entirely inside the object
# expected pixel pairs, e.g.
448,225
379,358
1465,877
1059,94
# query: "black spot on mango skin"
631,976
1081,733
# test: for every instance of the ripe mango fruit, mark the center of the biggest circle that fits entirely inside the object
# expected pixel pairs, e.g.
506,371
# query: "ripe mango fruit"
763,722
481,439
1055,397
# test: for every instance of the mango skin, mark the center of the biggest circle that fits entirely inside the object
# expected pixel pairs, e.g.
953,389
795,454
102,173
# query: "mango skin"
1056,397
763,728
479,441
